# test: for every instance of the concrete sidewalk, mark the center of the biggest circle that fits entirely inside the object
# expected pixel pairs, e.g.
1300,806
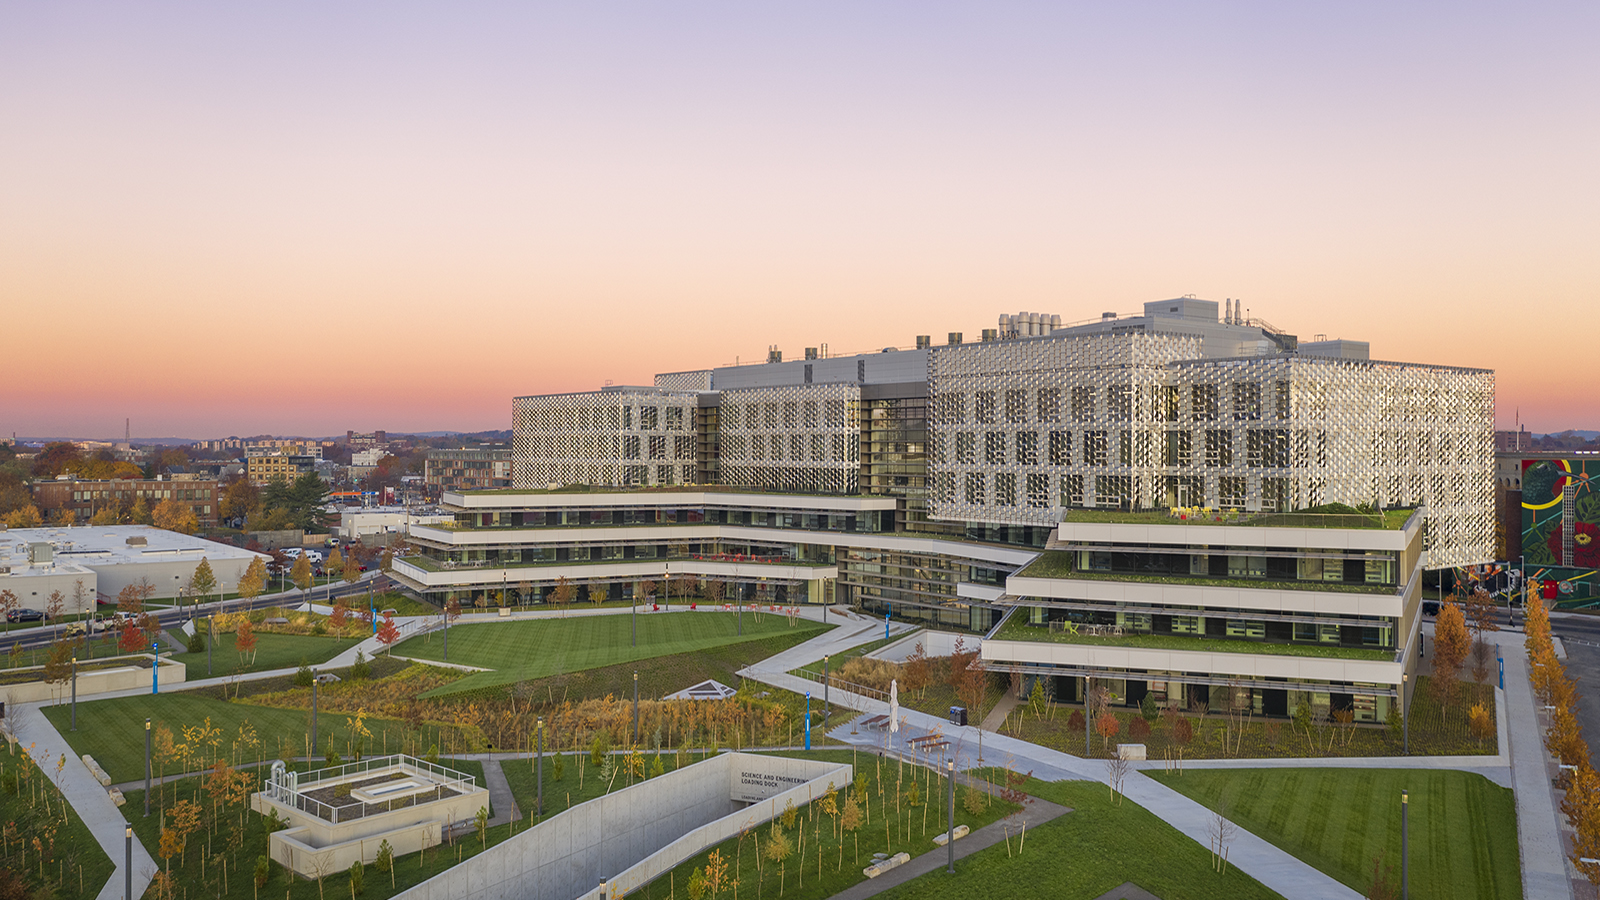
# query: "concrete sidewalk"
89,800
1544,864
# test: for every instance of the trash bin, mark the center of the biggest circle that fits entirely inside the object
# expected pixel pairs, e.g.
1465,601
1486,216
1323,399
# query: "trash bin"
958,715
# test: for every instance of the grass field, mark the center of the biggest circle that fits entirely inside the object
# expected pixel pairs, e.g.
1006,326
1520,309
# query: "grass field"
1463,828
528,650
273,651
112,731
72,863
1086,853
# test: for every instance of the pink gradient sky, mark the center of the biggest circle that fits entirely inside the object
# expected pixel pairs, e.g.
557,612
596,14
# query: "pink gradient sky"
308,217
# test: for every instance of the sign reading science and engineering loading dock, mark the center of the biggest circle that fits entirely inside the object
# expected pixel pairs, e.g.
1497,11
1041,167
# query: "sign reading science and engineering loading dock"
750,787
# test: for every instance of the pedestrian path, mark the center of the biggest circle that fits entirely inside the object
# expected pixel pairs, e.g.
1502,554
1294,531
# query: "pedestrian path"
89,800
1544,863
501,801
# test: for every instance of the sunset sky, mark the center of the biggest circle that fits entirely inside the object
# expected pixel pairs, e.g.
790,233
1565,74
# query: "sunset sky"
304,218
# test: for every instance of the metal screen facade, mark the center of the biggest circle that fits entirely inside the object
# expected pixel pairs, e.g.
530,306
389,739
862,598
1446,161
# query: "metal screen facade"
804,437
697,380
1025,430
609,438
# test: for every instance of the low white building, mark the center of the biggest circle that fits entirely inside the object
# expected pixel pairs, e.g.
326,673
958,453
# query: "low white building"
358,522
37,561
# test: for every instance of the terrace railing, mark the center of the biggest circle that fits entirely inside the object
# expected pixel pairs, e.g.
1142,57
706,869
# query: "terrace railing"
288,788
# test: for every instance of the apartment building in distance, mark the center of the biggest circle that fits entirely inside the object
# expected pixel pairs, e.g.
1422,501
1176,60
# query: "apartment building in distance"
264,468
467,469
1103,500
85,498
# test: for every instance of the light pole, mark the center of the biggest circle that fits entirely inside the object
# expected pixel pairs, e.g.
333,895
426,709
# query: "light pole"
147,768
211,637
538,732
1405,872
636,709
808,720
1405,713
635,614
127,862
886,626
74,693
950,836
155,667
313,713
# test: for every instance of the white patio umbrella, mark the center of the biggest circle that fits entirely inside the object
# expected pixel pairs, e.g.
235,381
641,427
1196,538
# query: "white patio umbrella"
894,705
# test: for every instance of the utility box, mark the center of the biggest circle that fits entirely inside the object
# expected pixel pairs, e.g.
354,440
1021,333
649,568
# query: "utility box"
958,715
40,553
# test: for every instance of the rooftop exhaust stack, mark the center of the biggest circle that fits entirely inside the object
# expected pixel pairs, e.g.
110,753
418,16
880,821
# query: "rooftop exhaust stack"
924,341
811,353
954,338
774,355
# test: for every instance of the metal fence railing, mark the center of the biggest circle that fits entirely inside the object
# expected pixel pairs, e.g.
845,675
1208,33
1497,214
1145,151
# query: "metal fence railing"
289,788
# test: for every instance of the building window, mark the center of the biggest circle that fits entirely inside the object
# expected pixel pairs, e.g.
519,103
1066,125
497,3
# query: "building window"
808,413
1230,490
1049,404
683,447
1219,448
1060,448
1082,404
1203,402
1094,448
1027,448
1071,490
1178,448
1246,401
975,488
1283,400
674,418
1038,491
649,418
951,408
658,447
1005,489
994,447
1114,491
1164,402
985,408
1016,406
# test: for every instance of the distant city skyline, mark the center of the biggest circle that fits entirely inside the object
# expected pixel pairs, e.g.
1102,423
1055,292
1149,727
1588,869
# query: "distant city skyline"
305,219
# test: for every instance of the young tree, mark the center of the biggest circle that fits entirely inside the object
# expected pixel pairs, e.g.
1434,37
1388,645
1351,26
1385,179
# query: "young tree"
9,603
388,633
254,581
1481,612
239,500
386,561
23,517
54,605
131,639
67,517
597,594
140,514
351,572
564,592
204,581
335,562
105,515
301,573
244,641
1451,644
340,617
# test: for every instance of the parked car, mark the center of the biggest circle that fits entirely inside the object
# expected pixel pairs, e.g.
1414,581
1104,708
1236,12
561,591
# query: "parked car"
24,615
333,542
291,552
314,555
83,627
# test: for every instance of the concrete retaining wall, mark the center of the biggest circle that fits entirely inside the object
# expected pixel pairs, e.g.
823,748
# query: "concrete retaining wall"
101,681
934,643
631,836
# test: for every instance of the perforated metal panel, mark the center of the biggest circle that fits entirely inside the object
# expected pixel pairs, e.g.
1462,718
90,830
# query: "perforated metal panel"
804,437
605,438
1025,430
698,380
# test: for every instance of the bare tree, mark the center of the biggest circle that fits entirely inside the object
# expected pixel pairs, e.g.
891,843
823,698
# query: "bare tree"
1117,772
1221,833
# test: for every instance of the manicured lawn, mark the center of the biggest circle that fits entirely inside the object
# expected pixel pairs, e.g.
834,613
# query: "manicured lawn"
273,651
73,864
112,731
1463,828
1085,853
525,650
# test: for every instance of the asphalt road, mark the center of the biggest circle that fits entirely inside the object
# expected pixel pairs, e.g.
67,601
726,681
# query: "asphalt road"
31,638
1581,635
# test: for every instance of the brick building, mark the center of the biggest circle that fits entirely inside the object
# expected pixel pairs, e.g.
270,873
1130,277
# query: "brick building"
85,498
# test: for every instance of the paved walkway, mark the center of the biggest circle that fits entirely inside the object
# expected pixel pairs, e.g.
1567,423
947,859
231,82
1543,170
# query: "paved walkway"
1544,864
1267,864
501,803
1002,708
89,800
1036,813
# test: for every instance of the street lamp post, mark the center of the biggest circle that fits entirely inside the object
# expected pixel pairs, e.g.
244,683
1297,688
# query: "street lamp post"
808,720
538,732
127,862
313,713
147,768
155,667
827,705
636,708
1405,713
950,836
211,638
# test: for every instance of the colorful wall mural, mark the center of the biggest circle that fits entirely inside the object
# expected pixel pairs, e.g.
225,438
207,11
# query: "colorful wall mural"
1561,528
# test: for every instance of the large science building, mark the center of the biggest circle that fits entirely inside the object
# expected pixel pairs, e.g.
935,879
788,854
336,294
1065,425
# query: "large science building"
1087,497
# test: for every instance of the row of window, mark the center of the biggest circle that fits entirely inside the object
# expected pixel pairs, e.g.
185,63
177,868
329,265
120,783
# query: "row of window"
780,448
1040,490
149,494
1242,401
810,414
1262,448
